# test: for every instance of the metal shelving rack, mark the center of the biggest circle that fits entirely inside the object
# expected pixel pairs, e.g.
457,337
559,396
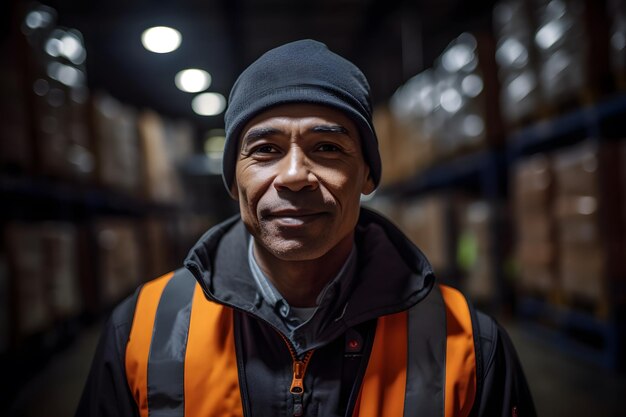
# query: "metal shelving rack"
579,333
487,172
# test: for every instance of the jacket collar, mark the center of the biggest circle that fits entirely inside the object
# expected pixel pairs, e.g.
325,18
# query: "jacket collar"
392,275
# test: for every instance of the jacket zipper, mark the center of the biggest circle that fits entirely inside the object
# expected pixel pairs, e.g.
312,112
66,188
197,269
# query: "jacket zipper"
299,367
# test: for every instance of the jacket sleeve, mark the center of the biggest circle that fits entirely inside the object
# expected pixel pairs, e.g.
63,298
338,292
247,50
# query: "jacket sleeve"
106,392
502,390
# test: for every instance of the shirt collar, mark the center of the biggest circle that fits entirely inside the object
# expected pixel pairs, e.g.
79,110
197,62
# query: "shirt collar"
273,297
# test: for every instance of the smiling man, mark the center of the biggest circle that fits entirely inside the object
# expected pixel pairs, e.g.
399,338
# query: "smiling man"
305,304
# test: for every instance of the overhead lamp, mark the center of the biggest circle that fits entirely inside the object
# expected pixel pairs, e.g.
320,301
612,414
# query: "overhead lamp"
161,39
451,100
193,80
68,75
208,104
67,44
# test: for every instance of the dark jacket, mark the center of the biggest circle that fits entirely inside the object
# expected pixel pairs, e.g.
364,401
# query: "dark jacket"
392,276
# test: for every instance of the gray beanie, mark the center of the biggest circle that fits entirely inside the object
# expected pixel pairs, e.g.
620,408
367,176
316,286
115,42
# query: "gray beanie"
304,71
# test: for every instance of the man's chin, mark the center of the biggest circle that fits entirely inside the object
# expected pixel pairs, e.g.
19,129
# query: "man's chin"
294,250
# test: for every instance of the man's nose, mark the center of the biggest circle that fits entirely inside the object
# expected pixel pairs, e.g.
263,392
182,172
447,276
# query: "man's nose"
295,172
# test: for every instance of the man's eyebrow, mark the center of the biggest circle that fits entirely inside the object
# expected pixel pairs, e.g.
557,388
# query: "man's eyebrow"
330,129
260,133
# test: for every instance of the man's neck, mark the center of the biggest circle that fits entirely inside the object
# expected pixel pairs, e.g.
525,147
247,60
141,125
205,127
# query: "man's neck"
300,282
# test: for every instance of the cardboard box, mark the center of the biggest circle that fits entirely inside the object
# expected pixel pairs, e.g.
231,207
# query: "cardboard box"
538,279
579,230
158,247
536,253
474,250
533,184
425,222
118,160
467,104
583,273
119,259
535,241
161,180
50,116
60,257
534,226
31,302
576,170
517,61
574,67
404,148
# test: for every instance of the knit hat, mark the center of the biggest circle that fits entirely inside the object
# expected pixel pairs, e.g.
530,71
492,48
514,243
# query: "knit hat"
304,71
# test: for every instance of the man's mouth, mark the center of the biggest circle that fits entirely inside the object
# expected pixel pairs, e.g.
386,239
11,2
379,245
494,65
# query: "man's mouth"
294,217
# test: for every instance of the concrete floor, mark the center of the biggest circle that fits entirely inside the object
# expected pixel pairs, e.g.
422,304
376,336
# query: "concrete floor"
561,385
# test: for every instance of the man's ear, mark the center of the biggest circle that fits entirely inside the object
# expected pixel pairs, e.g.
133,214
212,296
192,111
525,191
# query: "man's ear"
234,191
368,185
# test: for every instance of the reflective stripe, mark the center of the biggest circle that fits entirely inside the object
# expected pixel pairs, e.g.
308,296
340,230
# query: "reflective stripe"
441,363
138,347
385,376
211,377
167,350
460,355
426,358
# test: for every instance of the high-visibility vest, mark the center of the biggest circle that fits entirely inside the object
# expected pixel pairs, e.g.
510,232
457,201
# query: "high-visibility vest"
181,359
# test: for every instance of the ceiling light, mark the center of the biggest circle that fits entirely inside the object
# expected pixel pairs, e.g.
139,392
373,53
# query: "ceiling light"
451,100
72,48
193,80
208,104
472,85
161,39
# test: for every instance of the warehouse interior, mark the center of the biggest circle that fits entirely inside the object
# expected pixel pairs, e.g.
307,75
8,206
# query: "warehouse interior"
501,126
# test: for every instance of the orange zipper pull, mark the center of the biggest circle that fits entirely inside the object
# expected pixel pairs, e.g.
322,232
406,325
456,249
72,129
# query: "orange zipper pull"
297,382
297,387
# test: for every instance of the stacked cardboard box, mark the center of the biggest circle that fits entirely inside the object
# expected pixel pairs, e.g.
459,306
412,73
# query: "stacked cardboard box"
55,79
160,177
30,302
474,249
467,105
43,264
572,43
443,111
157,241
119,258
515,55
562,48
533,187
60,248
425,221
583,244
404,147
117,144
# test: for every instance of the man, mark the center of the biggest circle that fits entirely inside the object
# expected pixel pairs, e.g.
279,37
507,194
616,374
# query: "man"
305,304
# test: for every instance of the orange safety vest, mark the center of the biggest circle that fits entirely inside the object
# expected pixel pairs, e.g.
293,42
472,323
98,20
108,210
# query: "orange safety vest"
181,359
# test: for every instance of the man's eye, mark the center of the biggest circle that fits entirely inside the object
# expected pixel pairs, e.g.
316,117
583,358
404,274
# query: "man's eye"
328,147
265,149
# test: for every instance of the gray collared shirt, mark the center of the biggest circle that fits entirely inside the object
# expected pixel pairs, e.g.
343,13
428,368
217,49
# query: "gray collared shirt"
293,316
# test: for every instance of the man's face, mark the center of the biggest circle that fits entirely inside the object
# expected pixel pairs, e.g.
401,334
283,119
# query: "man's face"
299,177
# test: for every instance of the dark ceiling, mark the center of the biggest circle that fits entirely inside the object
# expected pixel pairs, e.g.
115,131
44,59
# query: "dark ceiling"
390,40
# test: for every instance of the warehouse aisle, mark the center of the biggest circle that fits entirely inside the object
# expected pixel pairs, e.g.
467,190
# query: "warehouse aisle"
561,385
